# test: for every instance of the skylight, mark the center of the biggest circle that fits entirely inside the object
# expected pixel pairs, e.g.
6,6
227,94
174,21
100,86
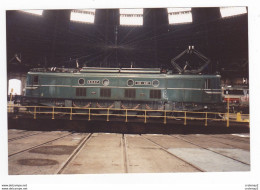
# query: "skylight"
86,15
232,11
34,12
131,17
179,15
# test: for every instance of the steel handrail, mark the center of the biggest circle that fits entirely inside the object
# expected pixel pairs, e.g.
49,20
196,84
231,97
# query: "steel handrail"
145,113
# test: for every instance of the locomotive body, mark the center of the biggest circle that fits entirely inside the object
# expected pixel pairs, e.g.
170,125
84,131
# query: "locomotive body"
129,88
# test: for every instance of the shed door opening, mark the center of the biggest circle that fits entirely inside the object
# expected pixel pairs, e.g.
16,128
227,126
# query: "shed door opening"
15,84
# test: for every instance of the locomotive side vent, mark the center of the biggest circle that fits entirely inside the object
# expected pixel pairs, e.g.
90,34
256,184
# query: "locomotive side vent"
105,92
129,93
155,94
81,91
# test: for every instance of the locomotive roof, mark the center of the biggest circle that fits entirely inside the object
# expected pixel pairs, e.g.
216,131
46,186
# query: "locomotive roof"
113,72
99,70
123,75
120,70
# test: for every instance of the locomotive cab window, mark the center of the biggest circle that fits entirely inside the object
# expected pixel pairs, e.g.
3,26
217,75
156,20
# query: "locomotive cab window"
155,94
35,80
105,92
129,93
81,91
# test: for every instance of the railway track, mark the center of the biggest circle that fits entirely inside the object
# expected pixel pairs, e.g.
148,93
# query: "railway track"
124,145
165,150
24,136
202,147
124,153
36,146
74,153
238,139
224,143
81,145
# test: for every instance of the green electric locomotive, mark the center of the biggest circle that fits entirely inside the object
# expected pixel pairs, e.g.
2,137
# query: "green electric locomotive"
122,88
127,88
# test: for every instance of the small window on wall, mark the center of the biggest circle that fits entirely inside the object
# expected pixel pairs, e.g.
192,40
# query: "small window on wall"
105,92
155,94
129,93
35,80
81,91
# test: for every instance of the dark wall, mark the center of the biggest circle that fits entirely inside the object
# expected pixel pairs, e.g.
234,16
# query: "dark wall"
52,40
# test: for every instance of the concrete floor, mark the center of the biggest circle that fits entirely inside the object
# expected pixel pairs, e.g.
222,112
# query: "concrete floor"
63,152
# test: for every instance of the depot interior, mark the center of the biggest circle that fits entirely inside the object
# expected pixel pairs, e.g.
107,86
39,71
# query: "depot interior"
141,38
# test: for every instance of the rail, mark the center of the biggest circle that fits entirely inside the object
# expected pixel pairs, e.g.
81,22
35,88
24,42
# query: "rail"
165,115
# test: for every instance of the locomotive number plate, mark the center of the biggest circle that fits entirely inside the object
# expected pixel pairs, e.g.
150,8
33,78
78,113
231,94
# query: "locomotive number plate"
93,81
142,82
